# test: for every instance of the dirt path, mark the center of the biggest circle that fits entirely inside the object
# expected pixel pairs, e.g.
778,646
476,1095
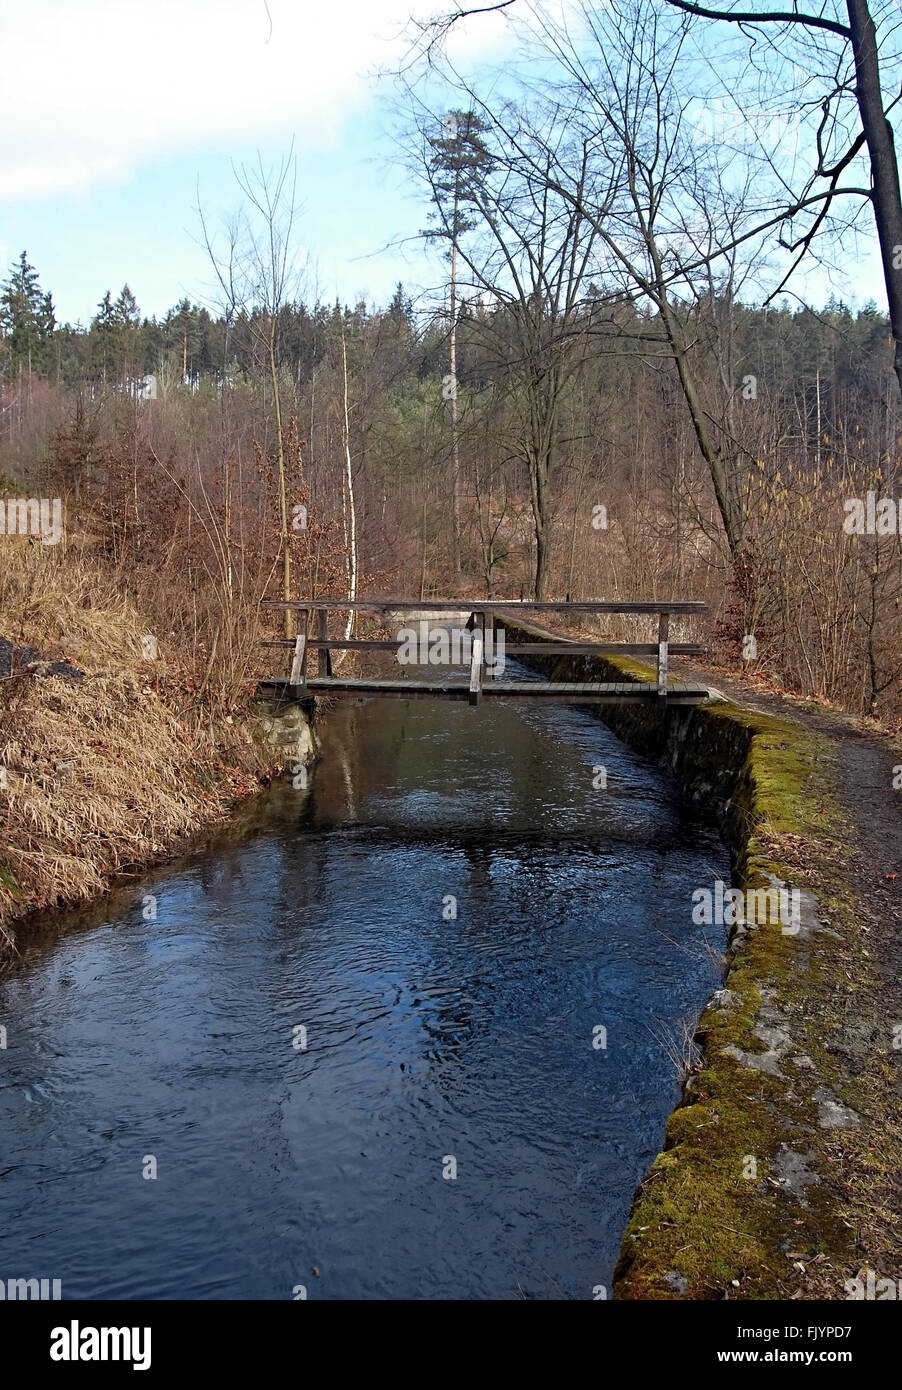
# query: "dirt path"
864,790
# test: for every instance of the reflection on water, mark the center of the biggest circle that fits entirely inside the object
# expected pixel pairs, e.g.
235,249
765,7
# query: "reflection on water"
449,914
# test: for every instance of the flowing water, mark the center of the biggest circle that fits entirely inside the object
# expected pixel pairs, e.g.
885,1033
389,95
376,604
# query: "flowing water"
452,912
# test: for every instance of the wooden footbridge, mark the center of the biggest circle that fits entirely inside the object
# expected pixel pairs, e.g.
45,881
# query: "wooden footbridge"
481,626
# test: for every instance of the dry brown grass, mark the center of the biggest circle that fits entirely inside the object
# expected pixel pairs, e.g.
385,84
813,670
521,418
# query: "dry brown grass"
61,600
110,772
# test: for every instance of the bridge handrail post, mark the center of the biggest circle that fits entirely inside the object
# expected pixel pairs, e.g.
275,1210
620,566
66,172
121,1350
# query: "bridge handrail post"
298,678
663,634
322,632
477,655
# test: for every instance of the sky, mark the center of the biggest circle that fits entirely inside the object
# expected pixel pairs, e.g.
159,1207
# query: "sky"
118,117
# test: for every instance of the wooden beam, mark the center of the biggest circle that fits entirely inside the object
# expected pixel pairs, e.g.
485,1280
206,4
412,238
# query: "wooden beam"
322,627
545,692
564,648
663,630
557,648
477,625
298,678
383,605
339,644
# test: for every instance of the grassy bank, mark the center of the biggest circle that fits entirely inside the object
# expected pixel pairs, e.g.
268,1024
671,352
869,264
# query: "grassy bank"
116,765
778,1168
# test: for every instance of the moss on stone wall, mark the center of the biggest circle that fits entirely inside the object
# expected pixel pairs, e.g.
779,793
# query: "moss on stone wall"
747,1198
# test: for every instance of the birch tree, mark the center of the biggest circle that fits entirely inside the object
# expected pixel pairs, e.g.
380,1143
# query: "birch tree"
271,279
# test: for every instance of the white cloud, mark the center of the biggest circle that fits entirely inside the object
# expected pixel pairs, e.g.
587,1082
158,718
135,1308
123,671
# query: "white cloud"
91,88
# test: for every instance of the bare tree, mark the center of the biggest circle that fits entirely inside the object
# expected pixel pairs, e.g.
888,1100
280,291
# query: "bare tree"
876,133
666,220
525,252
271,279
673,234
348,504
681,228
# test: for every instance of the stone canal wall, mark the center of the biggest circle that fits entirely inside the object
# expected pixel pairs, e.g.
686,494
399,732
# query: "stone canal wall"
773,1093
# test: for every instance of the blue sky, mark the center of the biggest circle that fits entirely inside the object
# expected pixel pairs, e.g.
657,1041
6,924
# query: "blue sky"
138,102
142,229
113,114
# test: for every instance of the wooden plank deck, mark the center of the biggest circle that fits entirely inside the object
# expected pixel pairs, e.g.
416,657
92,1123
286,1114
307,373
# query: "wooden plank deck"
565,692
381,605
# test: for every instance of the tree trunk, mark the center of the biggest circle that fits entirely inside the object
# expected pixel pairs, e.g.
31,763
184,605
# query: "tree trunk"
283,482
878,133
455,445
349,479
540,518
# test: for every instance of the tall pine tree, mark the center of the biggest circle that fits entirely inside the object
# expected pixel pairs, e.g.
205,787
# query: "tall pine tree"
458,162
26,322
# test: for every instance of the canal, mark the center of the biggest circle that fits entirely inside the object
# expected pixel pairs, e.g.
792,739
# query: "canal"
407,1038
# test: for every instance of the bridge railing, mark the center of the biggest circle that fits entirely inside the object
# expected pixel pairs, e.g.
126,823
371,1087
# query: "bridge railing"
481,623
